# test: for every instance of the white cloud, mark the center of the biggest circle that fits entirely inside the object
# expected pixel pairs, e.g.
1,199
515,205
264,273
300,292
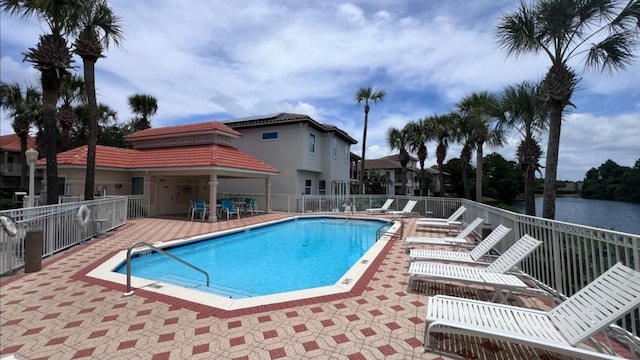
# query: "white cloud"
260,57
352,14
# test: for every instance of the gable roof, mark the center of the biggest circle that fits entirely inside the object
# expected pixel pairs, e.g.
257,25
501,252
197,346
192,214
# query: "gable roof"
11,142
387,162
284,119
209,155
204,127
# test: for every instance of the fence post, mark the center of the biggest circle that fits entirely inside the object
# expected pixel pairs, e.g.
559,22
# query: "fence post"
557,266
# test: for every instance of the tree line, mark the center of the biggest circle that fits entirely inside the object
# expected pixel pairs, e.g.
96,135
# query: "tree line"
603,33
611,181
64,109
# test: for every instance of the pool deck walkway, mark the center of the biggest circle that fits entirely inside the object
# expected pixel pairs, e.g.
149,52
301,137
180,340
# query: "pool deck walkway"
57,313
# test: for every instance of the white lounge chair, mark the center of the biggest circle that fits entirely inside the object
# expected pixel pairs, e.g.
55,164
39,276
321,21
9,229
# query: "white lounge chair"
406,210
560,330
383,208
474,255
494,275
459,239
454,217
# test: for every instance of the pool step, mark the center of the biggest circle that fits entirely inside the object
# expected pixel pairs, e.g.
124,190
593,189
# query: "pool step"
213,288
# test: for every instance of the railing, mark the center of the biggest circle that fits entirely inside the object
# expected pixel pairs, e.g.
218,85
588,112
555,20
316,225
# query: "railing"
571,255
380,232
160,251
138,206
59,226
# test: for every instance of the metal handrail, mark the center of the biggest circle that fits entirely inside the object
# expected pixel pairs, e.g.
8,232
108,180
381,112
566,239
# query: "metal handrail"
379,233
129,291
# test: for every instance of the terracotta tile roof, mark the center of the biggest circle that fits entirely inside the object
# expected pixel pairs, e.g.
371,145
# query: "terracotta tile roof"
11,142
199,155
182,129
185,156
106,156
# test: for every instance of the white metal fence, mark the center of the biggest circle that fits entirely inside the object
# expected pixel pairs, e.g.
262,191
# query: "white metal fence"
571,255
59,226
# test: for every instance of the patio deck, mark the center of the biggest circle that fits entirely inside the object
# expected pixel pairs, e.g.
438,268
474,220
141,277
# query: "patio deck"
58,313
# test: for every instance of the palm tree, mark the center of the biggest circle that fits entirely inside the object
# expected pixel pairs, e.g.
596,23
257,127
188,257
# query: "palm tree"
71,89
24,108
463,133
80,130
442,127
481,110
399,139
604,31
418,134
529,116
377,181
143,106
98,27
365,95
52,57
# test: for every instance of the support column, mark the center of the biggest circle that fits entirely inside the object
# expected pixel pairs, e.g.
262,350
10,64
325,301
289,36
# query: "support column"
213,198
267,196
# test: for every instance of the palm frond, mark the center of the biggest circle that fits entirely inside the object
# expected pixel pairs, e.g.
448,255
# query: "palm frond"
629,17
517,32
613,53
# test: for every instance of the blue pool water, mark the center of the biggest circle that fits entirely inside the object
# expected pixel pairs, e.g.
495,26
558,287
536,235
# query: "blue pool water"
293,255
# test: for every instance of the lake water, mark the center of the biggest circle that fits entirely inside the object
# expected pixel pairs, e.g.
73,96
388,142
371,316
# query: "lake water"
614,215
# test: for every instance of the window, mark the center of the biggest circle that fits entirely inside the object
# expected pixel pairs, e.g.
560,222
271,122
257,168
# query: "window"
334,148
322,187
137,186
223,139
270,135
307,187
312,144
61,186
346,153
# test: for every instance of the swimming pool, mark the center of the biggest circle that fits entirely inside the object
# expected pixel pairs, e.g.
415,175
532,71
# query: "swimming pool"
222,297
288,256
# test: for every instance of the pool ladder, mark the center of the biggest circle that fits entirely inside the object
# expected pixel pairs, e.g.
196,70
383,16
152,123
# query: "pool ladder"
380,233
129,291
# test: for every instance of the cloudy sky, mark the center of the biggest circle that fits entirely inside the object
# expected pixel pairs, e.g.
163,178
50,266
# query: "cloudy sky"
217,60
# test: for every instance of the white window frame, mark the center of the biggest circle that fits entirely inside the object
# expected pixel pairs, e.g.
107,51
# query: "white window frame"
334,148
312,143
308,186
277,135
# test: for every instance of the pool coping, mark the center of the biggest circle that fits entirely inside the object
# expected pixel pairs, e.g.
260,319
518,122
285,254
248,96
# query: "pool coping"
352,283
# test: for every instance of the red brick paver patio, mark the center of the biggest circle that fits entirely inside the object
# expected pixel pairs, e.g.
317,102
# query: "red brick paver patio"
58,313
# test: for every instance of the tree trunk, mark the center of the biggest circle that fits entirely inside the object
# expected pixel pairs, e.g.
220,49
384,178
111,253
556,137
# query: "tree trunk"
404,180
23,156
479,173
551,167
364,146
529,191
90,83
440,178
50,92
465,181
